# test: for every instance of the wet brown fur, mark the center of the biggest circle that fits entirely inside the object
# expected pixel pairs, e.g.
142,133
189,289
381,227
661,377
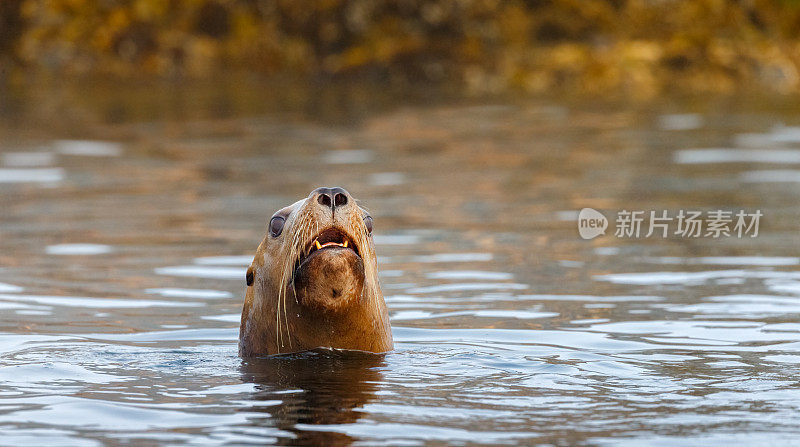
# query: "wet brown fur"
277,319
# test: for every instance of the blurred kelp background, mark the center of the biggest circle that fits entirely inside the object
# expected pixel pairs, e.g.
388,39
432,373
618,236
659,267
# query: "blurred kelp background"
482,46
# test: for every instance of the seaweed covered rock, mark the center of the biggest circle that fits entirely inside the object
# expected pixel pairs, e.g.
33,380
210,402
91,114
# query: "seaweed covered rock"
486,45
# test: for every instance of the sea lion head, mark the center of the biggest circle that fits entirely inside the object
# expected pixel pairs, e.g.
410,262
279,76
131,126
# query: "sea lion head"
323,249
313,282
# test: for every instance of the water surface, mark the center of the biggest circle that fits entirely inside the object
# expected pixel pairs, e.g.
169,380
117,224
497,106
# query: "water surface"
125,235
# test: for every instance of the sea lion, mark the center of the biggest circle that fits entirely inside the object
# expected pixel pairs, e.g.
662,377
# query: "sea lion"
314,281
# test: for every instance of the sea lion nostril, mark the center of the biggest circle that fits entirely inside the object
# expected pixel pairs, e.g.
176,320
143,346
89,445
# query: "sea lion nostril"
339,199
331,197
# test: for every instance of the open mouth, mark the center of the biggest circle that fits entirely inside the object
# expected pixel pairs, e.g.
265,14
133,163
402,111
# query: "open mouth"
330,238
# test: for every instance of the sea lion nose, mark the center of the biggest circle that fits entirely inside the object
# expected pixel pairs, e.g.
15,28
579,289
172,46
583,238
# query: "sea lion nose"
332,197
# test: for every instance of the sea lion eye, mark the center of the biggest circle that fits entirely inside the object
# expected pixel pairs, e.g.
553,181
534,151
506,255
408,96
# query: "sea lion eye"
368,223
276,226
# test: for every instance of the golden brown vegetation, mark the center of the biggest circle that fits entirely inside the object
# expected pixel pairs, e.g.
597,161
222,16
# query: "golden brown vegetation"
486,45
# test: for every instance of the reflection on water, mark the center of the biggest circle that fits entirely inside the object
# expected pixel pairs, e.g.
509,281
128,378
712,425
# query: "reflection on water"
775,156
129,222
303,393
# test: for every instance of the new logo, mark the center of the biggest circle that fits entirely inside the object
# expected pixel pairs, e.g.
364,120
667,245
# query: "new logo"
591,223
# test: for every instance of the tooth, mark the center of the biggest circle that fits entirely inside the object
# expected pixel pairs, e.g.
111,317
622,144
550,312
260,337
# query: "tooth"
316,241
345,244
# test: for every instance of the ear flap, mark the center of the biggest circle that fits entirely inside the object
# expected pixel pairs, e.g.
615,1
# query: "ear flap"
249,276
